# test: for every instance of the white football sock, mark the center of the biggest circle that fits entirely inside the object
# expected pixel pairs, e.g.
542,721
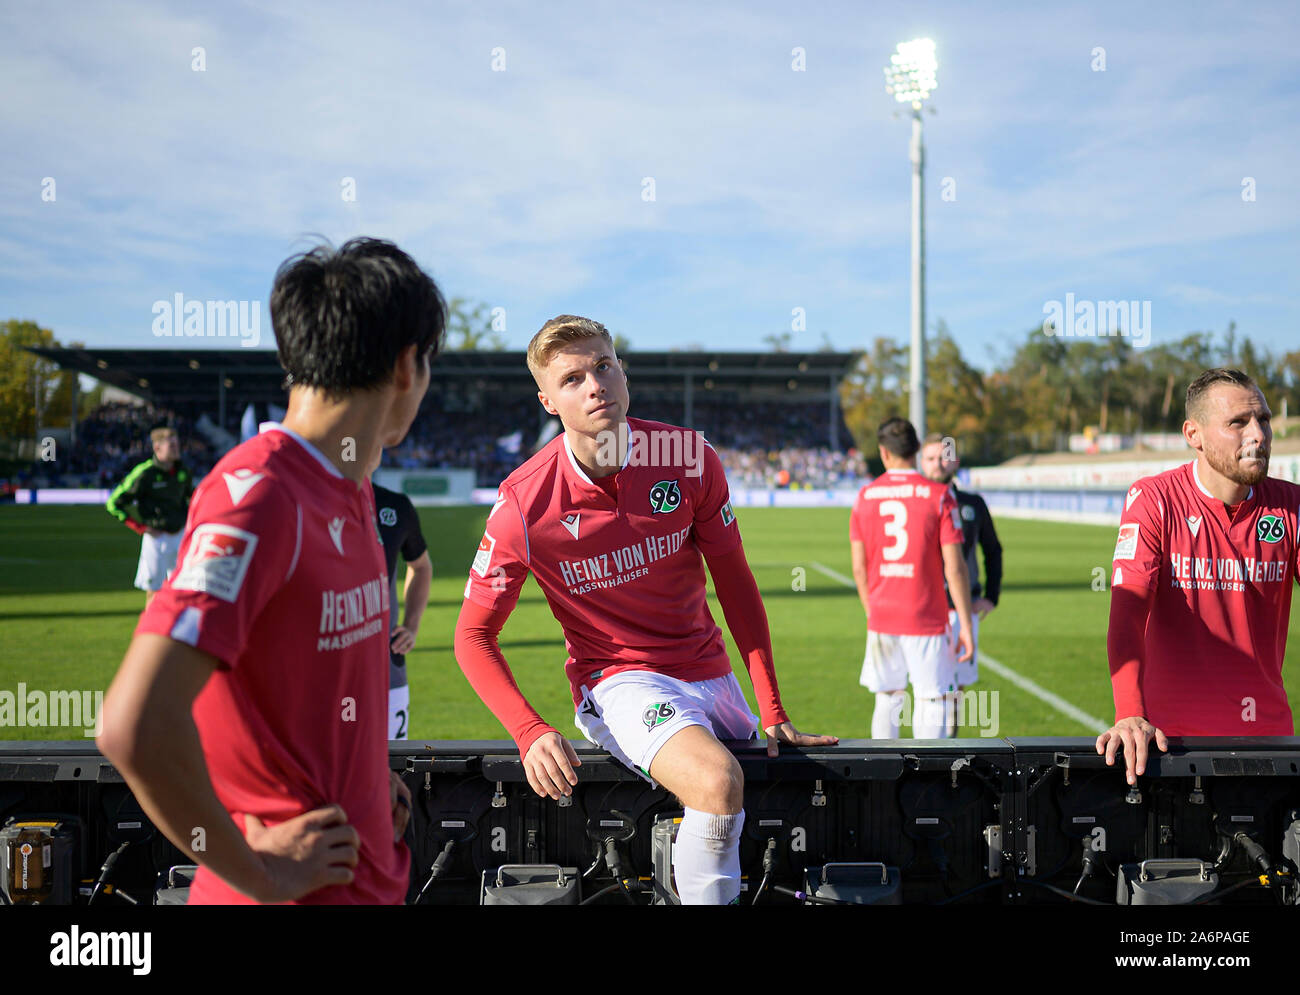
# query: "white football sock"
888,714
706,858
928,719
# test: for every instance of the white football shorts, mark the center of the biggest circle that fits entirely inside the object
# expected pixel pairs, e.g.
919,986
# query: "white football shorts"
929,662
157,560
631,715
969,672
399,712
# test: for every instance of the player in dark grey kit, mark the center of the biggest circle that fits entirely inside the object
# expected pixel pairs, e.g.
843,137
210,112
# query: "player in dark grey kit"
399,529
939,462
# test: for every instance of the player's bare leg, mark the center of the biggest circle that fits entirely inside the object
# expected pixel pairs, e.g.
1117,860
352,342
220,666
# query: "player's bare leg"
706,778
888,714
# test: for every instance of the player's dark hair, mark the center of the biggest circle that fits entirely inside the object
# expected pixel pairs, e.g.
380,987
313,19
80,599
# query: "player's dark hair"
342,316
1197,389
899,437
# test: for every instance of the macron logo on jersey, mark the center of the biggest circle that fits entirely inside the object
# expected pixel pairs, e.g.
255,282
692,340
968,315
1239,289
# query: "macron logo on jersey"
1194,523
570,522
240,483
336,533
1133,494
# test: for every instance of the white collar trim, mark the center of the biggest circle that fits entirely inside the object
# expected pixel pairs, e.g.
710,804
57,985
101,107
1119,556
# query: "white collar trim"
275,426
1197,477
577,467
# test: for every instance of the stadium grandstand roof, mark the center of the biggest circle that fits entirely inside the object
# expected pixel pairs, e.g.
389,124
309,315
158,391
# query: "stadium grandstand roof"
181,378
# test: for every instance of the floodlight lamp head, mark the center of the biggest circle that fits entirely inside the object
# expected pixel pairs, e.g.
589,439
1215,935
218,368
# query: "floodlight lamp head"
910,75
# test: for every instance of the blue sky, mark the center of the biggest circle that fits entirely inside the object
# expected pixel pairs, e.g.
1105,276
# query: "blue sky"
774,189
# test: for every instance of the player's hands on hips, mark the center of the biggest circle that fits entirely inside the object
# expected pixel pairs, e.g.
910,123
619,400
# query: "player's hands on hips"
787,733
403,640
307,852
981,607
1135,733
549,765
399,800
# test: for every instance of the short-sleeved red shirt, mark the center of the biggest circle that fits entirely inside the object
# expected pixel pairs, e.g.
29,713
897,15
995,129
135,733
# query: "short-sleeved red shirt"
1217,629
903,519
282,579
623,574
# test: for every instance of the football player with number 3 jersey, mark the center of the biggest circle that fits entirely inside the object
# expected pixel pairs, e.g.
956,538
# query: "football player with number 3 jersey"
615,518
1201,584
905,539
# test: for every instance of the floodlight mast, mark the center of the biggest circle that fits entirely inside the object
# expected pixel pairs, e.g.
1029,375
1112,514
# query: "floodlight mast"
910,78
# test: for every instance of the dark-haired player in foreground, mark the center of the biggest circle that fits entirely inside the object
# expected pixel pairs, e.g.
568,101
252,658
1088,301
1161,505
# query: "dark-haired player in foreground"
1201,593
614,533
273,633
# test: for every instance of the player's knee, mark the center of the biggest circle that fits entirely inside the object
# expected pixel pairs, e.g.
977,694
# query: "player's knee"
720,787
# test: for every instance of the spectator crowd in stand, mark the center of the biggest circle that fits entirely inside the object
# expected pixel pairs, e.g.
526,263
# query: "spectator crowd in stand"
762,444
796,468
110,441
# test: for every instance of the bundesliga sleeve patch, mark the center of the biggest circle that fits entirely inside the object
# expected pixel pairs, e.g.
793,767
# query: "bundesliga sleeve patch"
217,561
483,558
1126,547
728,516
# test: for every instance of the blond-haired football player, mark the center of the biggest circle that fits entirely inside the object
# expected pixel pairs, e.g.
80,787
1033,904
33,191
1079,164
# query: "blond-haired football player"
616,518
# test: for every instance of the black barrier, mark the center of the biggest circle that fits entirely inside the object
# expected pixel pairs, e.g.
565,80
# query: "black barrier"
968,822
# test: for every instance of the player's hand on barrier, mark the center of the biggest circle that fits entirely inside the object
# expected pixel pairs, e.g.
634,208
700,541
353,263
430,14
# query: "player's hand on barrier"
399,801
981,607
1135,734
549,765
307,852
403,640
787,733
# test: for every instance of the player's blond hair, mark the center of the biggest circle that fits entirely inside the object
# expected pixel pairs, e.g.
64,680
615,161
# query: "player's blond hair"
556,334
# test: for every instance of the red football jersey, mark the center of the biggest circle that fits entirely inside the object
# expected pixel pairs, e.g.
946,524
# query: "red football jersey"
1217,629
903,519
282,578
622,573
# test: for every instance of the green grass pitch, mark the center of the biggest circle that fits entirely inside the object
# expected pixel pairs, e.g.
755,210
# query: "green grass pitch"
67,610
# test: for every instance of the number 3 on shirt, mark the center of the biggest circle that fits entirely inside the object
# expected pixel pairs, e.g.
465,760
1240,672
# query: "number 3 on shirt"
895,528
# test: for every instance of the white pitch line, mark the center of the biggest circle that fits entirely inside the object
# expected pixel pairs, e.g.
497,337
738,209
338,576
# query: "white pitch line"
1002,670
833,575
1040,692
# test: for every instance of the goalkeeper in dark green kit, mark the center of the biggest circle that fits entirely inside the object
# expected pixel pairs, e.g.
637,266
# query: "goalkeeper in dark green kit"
154,500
